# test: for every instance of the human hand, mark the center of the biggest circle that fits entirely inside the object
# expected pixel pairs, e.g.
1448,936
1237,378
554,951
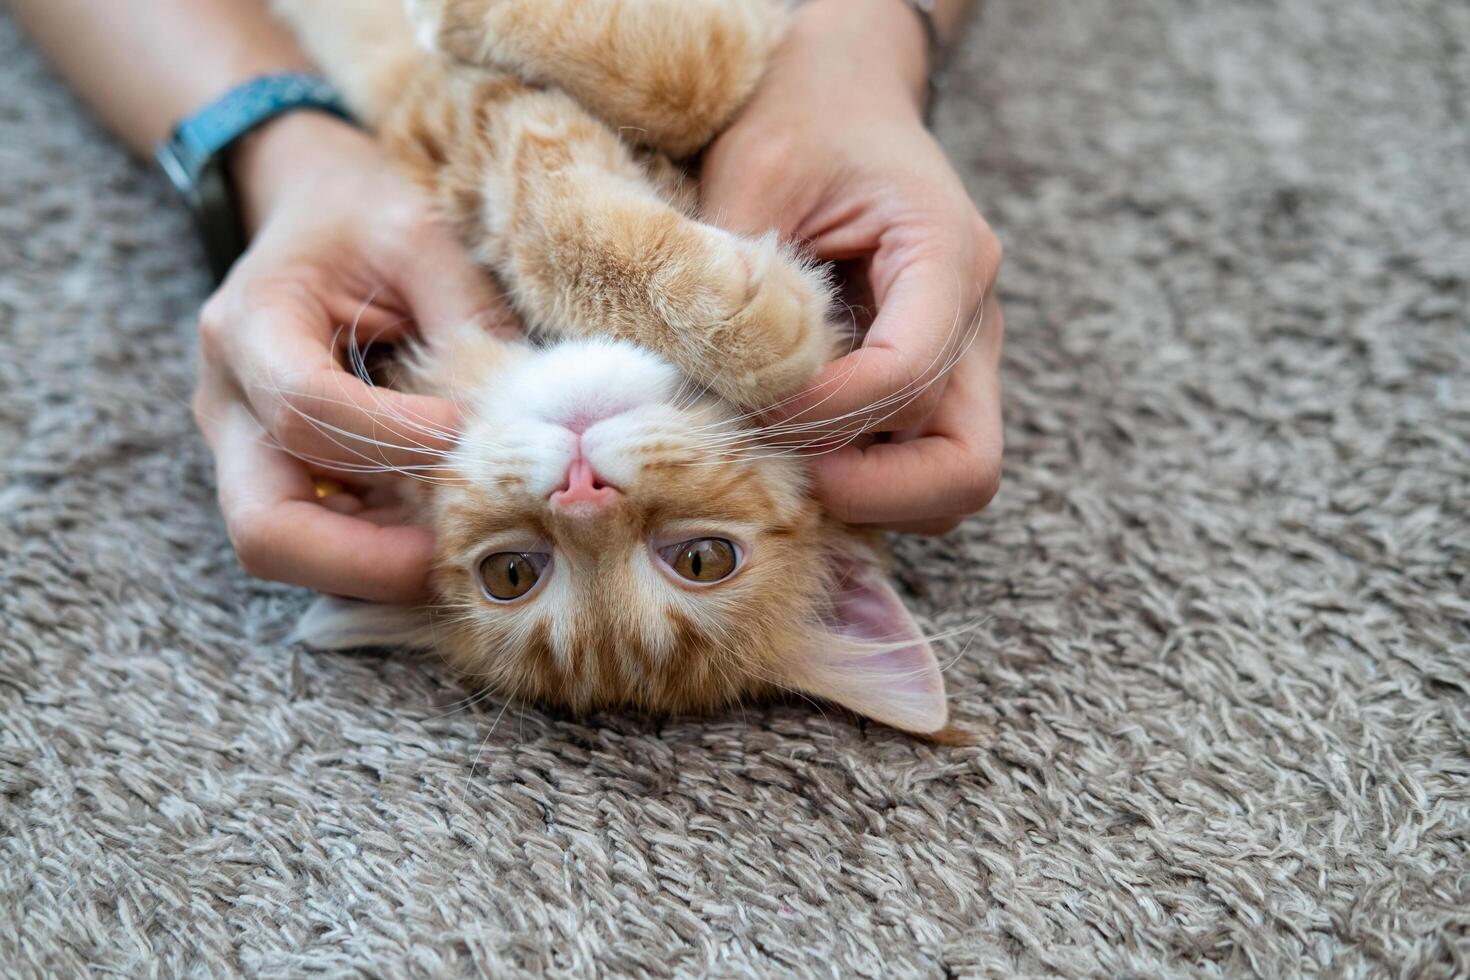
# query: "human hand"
832,151
339,239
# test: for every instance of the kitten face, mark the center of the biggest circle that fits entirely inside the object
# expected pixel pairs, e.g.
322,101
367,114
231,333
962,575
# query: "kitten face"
584,469
611,536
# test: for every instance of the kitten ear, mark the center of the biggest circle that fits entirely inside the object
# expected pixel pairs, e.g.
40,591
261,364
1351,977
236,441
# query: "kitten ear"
346,624
873,659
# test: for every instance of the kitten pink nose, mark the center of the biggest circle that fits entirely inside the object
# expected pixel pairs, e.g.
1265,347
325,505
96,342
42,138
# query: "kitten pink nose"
583,486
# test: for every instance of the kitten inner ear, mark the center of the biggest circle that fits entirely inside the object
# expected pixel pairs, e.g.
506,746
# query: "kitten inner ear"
347,624
873,659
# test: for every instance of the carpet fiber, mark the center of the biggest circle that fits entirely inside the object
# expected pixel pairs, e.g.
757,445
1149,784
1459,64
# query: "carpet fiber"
1223,652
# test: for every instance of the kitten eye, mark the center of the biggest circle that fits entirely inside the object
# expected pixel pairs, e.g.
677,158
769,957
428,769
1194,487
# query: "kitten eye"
703,560
508,575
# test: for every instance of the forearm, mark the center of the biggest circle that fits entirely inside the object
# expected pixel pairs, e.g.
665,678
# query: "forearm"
142,66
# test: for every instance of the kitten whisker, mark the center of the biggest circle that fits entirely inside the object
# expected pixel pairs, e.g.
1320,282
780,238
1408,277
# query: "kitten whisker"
326,427
865,419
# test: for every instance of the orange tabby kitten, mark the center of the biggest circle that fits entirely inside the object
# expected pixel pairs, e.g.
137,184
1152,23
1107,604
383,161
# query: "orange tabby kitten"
611,530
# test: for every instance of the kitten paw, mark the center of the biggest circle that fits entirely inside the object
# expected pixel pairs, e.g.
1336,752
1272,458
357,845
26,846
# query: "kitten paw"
451,29
668,73
773,335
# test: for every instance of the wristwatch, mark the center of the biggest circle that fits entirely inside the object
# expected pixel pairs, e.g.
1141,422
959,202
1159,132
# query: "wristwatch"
193,157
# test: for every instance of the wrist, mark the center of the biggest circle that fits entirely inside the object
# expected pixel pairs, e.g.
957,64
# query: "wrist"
286,151
883,41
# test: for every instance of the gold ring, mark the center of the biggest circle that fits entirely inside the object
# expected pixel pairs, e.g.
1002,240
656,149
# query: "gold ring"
327,488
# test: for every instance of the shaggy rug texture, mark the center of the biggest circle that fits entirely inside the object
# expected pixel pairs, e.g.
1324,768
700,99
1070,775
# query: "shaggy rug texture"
1222,657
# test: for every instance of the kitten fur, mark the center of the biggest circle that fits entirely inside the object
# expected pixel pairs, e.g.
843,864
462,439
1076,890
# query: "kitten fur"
545,131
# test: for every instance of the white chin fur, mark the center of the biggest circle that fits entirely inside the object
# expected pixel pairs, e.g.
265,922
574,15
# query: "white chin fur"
583,379
608,391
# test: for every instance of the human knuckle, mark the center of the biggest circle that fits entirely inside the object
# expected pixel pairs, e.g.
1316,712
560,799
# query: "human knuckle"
981,482
213,323
927,401
767,161
415,225
974,477
917,408
909,376
908,417
290,420
409,221
989,250
249,533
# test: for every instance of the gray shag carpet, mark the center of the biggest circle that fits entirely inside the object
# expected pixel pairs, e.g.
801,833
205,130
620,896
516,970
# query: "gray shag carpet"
1223,657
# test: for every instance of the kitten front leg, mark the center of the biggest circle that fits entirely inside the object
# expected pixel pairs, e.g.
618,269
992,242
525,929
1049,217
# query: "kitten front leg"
667,73
588,247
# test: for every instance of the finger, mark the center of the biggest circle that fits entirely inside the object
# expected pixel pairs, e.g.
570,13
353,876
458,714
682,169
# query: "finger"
319,412
753,214
905,482
444,287
952,467
341,503
753,198
895,380
934,527
280,532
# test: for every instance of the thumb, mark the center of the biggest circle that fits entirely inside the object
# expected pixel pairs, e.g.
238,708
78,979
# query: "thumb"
748,197
746,211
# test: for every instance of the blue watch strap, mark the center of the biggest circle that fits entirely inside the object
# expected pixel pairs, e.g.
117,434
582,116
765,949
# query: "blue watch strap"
192,155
